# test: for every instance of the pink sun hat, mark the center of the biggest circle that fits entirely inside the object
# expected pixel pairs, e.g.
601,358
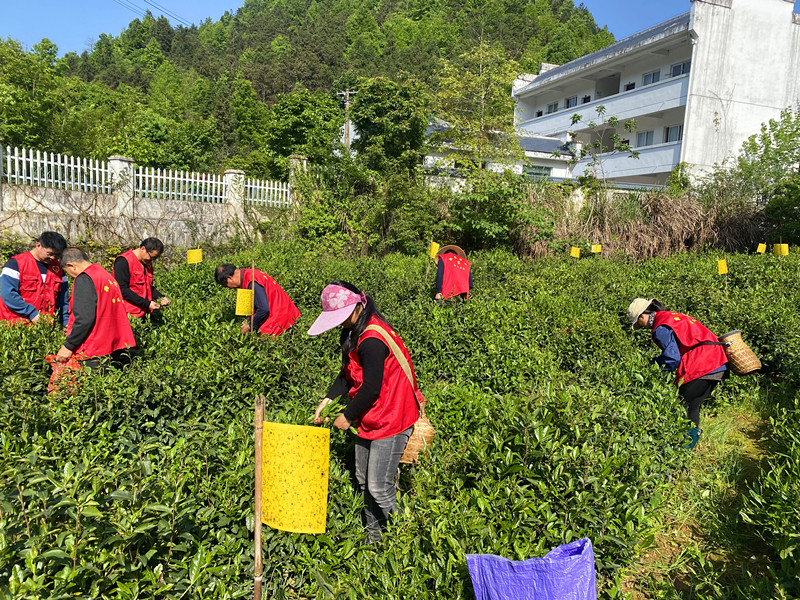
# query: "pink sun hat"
338,303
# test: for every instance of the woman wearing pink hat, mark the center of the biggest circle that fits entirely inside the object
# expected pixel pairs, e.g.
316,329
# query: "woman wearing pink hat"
378,377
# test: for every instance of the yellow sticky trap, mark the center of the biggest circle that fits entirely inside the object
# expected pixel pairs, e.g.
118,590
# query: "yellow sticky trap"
597,248
244,302
294,490
575,252
781,249
434,249
762,248
722,267
194,256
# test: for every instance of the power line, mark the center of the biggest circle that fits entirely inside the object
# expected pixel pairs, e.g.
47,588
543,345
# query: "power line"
169,13
132,8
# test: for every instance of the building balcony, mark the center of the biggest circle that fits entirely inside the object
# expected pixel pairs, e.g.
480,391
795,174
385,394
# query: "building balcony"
652,160
653,99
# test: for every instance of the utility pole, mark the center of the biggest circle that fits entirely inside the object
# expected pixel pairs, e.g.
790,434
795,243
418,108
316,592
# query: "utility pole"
346,95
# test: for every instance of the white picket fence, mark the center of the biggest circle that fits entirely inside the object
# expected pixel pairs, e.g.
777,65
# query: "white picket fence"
23,166
26,167
179,185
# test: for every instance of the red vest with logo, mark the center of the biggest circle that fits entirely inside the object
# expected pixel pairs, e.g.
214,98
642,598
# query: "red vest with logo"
141,281
455,280
112,330
282,311
396,408
40,294
696,361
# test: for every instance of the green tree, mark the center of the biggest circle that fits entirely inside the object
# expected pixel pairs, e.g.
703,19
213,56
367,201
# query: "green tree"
390,119
474,98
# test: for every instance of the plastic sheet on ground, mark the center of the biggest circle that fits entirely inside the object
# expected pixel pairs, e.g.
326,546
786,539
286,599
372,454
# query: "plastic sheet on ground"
565,573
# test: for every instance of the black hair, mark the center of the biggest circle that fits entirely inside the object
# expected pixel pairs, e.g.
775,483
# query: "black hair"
53,241
73,255
222,272
348,339
655,306
152,244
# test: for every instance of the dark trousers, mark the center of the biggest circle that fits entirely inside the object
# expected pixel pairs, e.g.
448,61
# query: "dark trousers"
376,465
117,360
693,395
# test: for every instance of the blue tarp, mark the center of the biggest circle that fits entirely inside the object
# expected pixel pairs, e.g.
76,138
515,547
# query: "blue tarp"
565,573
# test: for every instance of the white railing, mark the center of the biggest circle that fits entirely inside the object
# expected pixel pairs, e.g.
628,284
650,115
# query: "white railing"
179,185
23,166
267,193
27,167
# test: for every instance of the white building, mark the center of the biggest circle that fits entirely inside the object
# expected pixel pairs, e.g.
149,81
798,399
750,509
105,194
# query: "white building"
697,86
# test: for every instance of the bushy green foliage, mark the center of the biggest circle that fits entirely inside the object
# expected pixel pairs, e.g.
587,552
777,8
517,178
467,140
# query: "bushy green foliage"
783,211
552,425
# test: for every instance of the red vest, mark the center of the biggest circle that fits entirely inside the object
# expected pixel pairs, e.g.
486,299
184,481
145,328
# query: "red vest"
396,408
141,281
112,330
456,275
282,311
40,294
698,361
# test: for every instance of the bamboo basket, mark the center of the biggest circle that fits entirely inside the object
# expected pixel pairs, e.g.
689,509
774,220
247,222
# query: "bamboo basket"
420,438
740,357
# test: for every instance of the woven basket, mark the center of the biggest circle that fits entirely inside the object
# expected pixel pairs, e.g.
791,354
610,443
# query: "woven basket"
740,357
420,438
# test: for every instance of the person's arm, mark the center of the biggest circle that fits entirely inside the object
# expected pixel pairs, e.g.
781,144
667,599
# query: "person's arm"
122,273
84,308
62,301
372,354
439,275
339,387
261,312
9,291
670,356
470,277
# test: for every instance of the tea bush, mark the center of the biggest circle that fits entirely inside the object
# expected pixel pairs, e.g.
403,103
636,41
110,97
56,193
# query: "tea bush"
551,425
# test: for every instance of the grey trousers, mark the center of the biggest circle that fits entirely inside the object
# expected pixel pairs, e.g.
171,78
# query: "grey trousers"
376,465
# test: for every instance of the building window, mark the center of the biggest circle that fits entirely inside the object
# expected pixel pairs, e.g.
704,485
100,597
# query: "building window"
539,113
673,134
537,171
681,69
645,138
586,99
570,102
630,86
551,108
653,77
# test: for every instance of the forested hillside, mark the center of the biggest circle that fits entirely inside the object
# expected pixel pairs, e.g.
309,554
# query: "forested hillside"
257,85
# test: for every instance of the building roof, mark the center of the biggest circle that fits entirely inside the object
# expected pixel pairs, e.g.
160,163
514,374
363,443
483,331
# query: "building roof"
544,145
666,29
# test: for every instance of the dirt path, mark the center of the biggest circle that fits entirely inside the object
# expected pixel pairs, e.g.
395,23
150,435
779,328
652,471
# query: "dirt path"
701,545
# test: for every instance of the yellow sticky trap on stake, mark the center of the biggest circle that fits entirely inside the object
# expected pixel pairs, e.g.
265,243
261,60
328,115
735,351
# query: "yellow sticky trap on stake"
597,248
781,249
294,493
194,256
244,302
434,249
575,252
722,266
762,248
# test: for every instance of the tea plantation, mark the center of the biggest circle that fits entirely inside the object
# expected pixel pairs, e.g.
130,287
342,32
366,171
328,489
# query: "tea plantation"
552,425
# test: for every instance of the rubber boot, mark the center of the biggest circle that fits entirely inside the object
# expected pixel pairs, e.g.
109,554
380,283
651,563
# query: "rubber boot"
692,437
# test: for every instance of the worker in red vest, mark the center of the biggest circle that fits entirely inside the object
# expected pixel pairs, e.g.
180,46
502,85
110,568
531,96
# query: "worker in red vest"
98,323
33,284
378,379
133,271
453,273
274,311
689,349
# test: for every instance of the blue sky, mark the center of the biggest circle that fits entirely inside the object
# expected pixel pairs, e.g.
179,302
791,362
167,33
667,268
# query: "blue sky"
74,24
